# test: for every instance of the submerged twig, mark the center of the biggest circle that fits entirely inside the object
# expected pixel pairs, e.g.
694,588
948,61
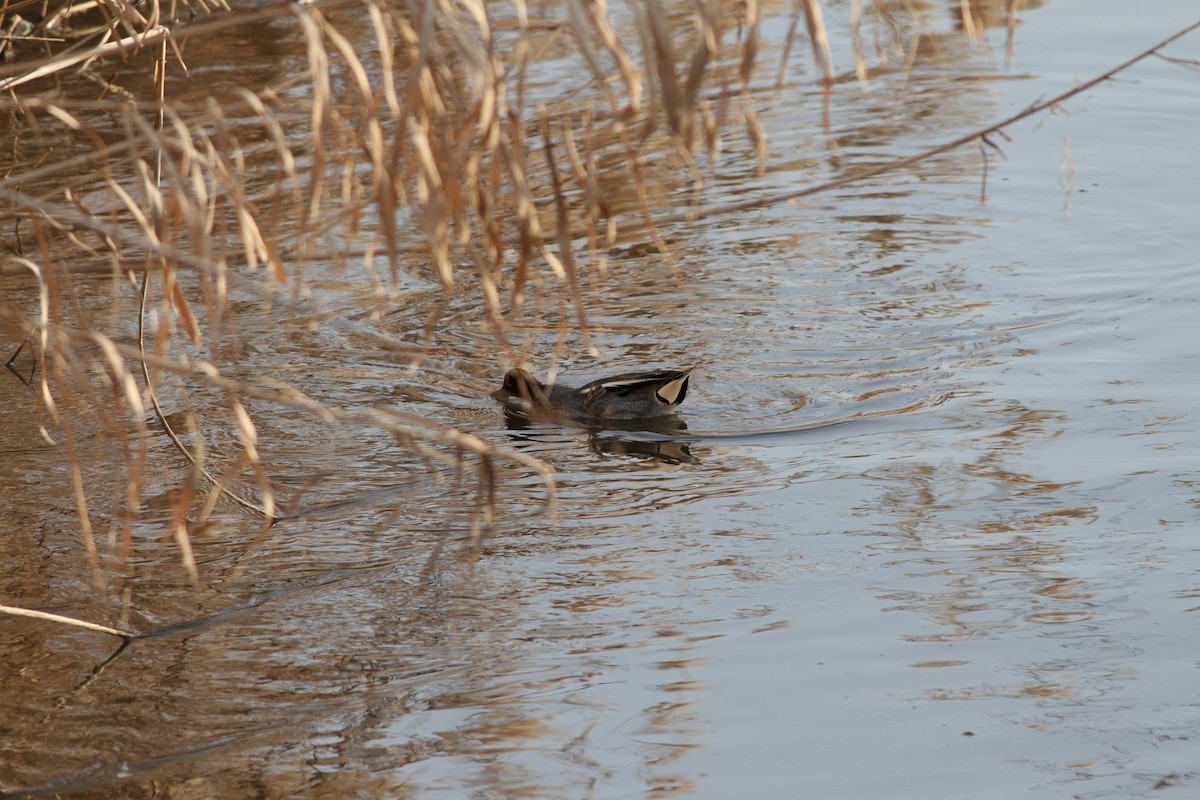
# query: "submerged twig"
267,510
11,364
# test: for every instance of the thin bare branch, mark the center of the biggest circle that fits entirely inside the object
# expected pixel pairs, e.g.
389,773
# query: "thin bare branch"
78,623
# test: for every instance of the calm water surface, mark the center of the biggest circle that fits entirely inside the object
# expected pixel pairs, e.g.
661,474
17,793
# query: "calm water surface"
930,531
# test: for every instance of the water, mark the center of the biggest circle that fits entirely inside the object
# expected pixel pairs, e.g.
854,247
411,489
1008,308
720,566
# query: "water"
932,536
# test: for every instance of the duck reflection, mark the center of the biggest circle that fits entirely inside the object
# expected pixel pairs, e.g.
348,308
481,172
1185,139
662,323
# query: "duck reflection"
670,451
659,439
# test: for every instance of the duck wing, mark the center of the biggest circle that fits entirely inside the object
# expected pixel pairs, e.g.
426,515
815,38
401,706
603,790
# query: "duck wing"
670,386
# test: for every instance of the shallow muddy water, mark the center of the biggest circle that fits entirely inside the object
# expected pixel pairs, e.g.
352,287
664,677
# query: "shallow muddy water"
929,532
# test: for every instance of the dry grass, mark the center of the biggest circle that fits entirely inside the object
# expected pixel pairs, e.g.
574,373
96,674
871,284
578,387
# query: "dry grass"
424,109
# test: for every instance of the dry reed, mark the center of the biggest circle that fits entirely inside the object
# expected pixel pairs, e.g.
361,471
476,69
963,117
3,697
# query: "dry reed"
440,120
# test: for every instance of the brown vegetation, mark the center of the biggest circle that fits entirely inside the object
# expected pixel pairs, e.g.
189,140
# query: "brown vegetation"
421,112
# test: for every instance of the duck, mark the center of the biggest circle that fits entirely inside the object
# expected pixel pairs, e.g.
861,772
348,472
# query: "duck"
626,397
